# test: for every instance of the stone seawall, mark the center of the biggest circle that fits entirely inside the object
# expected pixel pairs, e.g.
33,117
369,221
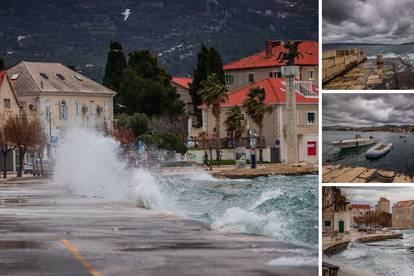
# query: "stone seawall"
380,238
336,62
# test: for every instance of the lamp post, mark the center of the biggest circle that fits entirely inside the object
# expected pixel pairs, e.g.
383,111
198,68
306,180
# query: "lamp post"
49,145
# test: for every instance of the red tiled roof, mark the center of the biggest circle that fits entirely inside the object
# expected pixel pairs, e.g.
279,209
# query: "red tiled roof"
275,93
383,199
183,82
309,49
2,76
405,203
360,206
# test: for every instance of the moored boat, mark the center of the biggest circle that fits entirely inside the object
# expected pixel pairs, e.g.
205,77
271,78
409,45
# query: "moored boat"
378,150
358,141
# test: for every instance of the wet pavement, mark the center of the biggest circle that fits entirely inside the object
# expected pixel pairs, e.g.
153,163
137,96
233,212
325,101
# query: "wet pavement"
46,231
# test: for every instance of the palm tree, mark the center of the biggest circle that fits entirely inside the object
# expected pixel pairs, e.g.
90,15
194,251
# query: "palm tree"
256,108
234,124
213,93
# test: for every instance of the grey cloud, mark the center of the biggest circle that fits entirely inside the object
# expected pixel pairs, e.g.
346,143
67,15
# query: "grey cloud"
363,109
368,21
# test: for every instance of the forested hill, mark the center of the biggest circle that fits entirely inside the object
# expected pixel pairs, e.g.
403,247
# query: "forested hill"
78,31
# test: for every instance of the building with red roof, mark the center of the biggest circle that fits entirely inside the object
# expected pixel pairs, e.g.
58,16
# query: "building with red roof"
265,64
403,214
9,103
275,123
358,213
183,89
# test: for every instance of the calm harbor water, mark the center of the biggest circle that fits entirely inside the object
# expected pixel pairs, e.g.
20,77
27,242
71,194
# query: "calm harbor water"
390,257
282,207
400,158
373,50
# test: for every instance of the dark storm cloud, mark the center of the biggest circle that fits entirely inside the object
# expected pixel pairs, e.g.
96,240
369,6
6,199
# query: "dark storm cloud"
354,109
368,21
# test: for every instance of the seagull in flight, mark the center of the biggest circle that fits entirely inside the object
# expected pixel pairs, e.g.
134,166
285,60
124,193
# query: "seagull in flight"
126,14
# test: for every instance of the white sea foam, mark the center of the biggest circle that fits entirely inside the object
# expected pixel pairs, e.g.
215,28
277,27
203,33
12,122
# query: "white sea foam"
295,261
87,163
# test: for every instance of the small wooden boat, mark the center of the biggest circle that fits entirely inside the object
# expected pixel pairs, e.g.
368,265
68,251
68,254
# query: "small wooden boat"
378,150
358,141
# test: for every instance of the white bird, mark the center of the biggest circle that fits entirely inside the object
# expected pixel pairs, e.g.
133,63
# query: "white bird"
126,14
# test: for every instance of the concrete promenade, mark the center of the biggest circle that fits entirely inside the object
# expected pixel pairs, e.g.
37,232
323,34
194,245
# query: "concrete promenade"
46,231
355,174
229,171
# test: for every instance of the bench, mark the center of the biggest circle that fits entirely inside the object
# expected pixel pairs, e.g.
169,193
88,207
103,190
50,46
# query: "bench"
332,270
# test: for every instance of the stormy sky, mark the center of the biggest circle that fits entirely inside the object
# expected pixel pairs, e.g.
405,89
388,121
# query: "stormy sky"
363,109
368,195
368,21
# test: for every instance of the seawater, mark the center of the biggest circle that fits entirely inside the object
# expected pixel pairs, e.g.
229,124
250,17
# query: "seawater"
400,158
282,207
389,51
390,257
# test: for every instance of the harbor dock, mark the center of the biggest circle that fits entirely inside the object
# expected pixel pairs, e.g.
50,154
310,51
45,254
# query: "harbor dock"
367,74
356,174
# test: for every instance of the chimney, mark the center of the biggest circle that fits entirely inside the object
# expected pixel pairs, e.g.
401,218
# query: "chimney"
269,47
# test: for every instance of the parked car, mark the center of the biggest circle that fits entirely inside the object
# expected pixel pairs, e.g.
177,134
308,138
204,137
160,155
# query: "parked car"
28,167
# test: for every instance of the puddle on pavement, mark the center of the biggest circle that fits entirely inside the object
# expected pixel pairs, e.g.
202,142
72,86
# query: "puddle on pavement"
18,245
4,201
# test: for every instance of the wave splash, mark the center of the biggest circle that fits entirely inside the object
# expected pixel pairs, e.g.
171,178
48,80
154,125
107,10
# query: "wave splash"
88,164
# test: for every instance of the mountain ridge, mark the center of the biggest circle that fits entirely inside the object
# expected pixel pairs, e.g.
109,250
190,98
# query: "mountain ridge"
79,32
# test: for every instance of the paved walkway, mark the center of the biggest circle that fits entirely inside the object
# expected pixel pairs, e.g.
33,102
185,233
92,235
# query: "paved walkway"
355,174
45,231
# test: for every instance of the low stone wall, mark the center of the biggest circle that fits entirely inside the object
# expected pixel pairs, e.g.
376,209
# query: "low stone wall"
336,62
380,238
336,248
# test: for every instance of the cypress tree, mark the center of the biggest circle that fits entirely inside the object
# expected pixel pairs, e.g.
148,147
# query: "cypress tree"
115,65
2,66
209,61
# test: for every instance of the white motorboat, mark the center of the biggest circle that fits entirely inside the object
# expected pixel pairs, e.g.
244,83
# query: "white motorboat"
378,150
358,141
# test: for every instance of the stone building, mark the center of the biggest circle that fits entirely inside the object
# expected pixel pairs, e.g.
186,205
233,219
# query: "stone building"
336,216
383,206
359,213
9,106
183,89
265,64
275,123
59,97
403,214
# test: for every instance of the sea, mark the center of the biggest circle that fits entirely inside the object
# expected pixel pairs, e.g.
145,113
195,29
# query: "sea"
389,258
400,158
284,208
389,51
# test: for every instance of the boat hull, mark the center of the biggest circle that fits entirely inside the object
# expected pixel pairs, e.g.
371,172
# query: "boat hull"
378,151
353,144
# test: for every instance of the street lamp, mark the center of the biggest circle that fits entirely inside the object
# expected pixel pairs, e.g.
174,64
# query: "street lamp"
253,138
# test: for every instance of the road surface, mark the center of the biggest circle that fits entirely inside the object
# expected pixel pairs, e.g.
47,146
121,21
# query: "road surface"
47,231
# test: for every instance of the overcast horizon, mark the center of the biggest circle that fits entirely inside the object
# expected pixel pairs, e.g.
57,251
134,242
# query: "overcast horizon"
368,21
365,109
368,195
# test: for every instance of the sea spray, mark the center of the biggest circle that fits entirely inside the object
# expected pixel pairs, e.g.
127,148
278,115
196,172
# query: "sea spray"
88,164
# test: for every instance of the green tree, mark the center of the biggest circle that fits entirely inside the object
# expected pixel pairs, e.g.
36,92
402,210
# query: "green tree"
138,123
166,141
234,124
115,65
151,97
2,65
146,88
208,61
213,93
256,108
